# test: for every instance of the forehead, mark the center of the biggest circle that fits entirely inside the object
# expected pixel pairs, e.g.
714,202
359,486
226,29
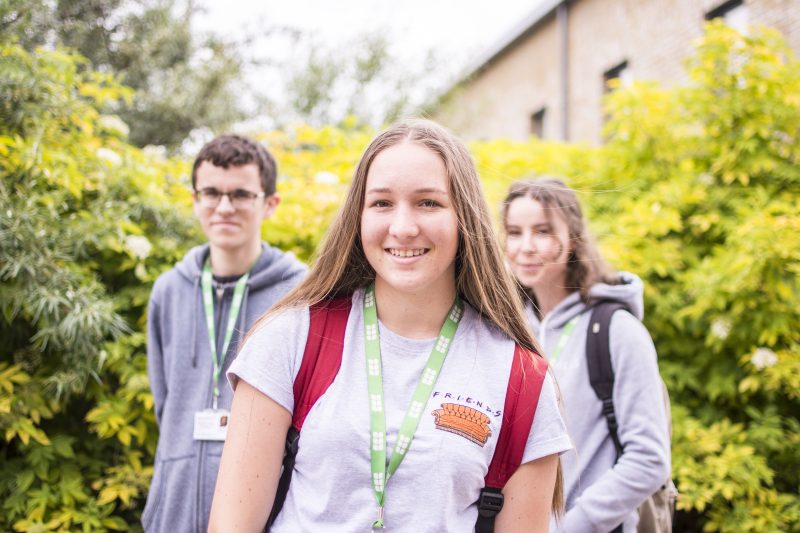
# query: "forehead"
407,166
233,177
525,211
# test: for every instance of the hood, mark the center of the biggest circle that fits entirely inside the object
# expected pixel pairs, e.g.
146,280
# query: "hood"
272,267
629,292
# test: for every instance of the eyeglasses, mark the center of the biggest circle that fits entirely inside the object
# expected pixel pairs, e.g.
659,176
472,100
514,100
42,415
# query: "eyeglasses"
239,198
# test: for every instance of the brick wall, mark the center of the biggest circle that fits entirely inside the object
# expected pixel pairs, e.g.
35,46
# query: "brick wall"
653,36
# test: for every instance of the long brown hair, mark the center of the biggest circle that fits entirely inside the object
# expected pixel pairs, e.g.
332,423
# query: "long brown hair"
585,265
341,267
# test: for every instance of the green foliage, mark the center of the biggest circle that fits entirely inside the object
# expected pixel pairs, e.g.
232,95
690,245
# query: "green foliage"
315,168
710,219
182,81
86,223
698,191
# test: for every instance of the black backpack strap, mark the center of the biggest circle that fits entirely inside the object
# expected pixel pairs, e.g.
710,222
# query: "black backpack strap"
598,359
489,504
601,373
289,455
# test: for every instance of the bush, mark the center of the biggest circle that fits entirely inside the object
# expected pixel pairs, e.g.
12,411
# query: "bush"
698,191
86,223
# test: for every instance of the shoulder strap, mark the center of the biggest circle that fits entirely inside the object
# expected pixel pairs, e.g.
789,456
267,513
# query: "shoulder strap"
322,359
528,370
598,359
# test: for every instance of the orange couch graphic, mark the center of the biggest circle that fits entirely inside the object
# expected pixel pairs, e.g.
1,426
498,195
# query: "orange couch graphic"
465,421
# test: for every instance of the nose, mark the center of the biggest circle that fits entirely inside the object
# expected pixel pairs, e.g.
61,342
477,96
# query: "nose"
404,223
225,205
528,244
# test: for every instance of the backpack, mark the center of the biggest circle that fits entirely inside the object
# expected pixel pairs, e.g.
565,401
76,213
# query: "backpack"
656,513
322,359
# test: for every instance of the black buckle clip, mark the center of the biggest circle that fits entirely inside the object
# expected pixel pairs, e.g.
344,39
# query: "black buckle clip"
490,503
292,439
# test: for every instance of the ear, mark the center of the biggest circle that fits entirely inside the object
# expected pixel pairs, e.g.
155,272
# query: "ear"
270,204
196,204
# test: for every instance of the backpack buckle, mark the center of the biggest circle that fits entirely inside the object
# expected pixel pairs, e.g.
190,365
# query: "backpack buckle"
292,439
490,502
608,412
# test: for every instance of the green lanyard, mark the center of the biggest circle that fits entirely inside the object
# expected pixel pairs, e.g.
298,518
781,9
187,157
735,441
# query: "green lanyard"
563,338
208,304
380,473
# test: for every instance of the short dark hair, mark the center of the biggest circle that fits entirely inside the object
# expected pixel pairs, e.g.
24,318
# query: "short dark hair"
237,151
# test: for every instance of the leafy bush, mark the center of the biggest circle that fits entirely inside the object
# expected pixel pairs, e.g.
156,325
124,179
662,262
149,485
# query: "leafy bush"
698,190
86,223
710,216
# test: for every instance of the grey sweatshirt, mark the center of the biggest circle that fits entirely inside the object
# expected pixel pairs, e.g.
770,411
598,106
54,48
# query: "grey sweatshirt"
600,495
180,369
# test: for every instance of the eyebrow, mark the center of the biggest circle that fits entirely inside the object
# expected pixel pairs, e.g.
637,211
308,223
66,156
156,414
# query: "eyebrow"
424,190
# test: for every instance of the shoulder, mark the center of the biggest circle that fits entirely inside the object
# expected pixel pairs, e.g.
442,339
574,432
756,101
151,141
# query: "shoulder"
626,328
484,330
282,265
286,323
166,283
631,346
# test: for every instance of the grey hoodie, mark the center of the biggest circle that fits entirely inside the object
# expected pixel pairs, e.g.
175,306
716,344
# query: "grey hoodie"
180,370
600,495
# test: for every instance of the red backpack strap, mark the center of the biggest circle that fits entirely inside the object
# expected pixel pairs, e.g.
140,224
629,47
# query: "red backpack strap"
522,397
322,357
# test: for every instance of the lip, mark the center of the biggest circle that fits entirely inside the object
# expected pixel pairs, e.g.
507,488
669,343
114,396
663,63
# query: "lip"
529,267
225,224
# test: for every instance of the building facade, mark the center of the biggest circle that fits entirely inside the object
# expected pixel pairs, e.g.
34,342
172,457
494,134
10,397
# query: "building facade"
547,78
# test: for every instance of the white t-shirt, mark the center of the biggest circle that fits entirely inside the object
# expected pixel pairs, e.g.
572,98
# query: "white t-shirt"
437,484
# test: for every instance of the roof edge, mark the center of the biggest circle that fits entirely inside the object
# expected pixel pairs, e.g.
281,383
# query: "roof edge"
515,34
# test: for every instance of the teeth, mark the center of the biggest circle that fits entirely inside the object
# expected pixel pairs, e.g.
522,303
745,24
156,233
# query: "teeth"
406,253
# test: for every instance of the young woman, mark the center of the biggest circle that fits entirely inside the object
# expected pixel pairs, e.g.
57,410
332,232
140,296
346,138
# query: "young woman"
413,239
560,271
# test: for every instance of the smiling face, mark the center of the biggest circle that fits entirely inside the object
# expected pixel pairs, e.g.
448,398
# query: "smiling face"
227,228
537,245
409,229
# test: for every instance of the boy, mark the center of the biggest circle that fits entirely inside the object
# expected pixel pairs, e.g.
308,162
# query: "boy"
197,314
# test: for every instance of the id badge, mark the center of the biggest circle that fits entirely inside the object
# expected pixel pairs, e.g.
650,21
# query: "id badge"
211,424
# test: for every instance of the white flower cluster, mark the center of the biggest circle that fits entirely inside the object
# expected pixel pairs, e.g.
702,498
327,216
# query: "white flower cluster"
115,124
138,246
763,358
721,328
109,155
326,178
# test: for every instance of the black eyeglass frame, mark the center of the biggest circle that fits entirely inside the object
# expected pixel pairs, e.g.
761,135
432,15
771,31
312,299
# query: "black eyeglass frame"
210,197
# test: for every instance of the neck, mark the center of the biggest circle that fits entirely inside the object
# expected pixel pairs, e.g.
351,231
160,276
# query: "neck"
233,262
413,315
549,297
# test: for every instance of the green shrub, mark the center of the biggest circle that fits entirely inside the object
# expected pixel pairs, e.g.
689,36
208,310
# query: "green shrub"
86,223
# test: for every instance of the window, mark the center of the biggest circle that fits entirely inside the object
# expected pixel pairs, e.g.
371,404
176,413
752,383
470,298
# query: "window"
621,72
537,123
733,12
